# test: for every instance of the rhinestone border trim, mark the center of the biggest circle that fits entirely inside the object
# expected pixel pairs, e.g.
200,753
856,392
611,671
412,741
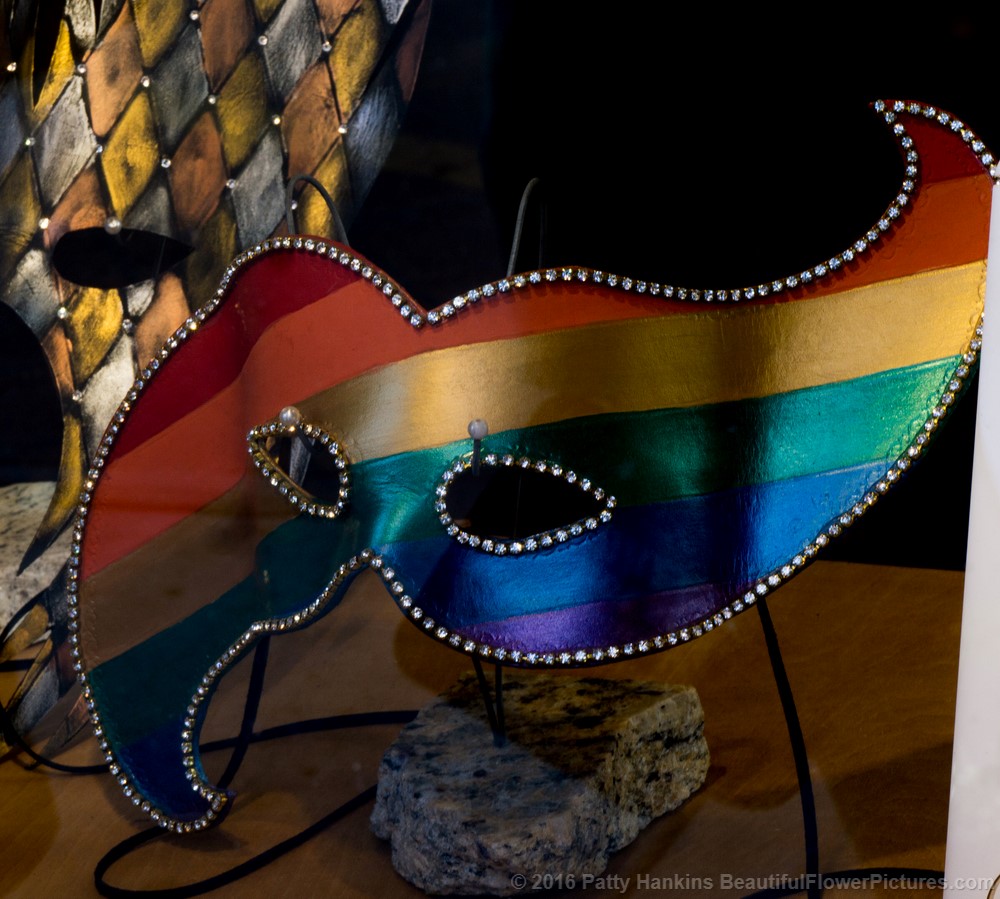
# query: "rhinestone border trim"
268,469
411,312
536,542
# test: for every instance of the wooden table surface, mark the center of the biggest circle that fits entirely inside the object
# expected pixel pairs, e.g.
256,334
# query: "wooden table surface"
872,657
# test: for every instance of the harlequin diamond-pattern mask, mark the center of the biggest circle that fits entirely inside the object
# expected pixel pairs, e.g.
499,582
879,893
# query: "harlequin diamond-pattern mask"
135,131
658,457
185,121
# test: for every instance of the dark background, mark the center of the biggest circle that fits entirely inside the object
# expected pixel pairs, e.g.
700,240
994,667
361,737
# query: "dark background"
687,146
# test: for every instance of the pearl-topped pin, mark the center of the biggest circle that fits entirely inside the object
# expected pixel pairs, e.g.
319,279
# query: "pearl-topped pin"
301,449
478,429
290,417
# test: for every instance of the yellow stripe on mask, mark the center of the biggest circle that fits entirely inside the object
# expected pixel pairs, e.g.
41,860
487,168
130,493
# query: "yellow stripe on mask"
715,355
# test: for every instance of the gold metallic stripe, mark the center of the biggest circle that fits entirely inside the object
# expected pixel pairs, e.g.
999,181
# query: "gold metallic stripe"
674,361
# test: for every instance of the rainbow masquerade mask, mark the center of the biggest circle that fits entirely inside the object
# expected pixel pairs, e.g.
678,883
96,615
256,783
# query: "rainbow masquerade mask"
659,457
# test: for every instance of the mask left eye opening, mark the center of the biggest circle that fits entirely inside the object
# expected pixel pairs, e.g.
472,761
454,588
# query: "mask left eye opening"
304,463
513,506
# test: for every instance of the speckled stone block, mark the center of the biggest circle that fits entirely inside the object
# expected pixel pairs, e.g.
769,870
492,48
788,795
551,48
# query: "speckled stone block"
21,509
587,764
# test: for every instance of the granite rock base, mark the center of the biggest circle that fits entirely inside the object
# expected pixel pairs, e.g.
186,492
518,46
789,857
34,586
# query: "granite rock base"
587,764
22,507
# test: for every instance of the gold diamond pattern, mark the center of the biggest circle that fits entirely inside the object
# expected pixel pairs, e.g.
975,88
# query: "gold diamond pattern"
19,213
242,110
131,154
57,350
72,464
158,22
266,8
60,71
216,246
93,325
356,50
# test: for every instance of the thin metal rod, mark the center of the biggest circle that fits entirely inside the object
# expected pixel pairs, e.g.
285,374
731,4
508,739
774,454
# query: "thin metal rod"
339,232
498,699
522,211
814,889
496,725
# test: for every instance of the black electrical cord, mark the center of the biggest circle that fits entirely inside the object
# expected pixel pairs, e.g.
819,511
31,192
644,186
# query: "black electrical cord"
126,847
239,744
255,690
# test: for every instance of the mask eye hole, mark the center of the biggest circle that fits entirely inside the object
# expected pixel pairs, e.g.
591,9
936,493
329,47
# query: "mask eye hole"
303,462
93,257
518,505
